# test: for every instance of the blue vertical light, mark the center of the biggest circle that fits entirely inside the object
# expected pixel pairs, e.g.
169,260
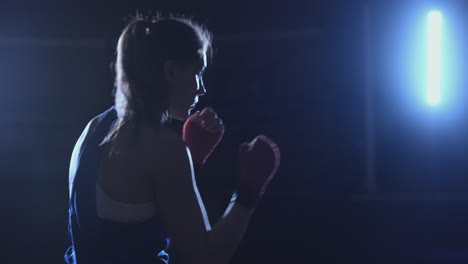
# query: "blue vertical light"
434,27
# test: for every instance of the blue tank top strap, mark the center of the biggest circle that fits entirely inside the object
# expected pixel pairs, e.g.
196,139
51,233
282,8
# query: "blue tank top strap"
100,241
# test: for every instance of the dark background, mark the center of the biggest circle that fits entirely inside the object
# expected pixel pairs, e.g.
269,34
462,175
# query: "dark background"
292,70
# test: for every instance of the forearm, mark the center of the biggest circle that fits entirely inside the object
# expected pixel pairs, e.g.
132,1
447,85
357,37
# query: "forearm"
196,169
221,242
218,245
225,237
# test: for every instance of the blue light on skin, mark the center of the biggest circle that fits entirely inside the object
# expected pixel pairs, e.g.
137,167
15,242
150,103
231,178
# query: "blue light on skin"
434,27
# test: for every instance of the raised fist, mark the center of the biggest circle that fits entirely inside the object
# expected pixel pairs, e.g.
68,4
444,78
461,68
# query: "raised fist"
202,132
258,160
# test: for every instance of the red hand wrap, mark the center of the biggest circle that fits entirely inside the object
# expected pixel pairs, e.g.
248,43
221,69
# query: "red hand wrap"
259,160
200,141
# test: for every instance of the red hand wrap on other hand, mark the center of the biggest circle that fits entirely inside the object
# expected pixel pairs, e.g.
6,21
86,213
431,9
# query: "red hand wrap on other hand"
200,141
259,160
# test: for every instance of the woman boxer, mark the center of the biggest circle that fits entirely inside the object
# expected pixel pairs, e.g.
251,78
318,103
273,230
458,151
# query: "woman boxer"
132,187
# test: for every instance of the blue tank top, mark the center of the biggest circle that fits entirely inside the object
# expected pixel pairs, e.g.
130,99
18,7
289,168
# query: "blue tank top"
95,240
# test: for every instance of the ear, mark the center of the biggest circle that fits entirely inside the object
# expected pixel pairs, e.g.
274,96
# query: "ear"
170,71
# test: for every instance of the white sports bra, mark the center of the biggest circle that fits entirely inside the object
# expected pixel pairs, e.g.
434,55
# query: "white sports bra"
109,209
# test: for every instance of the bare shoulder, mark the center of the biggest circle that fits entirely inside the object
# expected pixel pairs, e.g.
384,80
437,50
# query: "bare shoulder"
162,139
164,148
169,135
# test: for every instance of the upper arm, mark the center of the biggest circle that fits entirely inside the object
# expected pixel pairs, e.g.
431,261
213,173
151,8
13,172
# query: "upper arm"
178,199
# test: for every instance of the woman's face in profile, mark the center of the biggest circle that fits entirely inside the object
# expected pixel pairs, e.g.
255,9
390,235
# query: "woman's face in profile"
186,84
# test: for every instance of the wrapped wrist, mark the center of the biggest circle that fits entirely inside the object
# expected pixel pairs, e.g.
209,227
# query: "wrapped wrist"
246,197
